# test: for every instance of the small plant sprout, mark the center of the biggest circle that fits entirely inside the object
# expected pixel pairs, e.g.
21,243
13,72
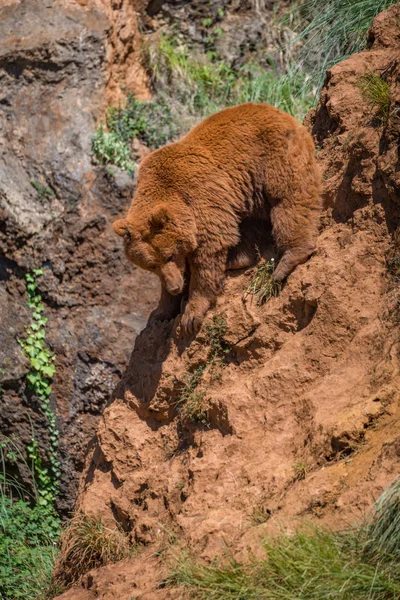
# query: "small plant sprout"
376,92
43,191
300,470
262,286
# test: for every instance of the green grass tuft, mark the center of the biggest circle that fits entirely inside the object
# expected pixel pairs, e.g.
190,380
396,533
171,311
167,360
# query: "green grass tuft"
377,92
262,286
335,29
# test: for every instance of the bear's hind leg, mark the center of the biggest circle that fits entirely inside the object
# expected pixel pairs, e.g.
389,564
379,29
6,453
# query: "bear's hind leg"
294,234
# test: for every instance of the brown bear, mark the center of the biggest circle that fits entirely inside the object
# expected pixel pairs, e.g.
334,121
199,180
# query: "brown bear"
248,162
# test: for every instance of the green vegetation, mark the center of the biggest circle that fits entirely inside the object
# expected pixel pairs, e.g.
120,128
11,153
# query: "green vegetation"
150,122
29,524
335,29
39,382
215,331
43,191
261,285
189,86
377,92
359,564
193,406
87,544
28,533
203,85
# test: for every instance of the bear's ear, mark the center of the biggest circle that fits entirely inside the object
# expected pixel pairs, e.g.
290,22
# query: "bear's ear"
159,219
121,227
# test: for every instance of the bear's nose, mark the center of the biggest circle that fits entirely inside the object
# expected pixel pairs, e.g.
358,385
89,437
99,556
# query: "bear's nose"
174,291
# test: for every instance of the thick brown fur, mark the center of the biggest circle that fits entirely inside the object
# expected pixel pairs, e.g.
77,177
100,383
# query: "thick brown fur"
251,161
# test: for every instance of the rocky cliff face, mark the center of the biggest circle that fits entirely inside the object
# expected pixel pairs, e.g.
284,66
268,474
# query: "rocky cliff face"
297,402
59,63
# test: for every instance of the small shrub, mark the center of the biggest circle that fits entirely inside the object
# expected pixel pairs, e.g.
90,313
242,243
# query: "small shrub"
195,408
215,331
262,286
192,405
108,147
377,92
150,121
87,544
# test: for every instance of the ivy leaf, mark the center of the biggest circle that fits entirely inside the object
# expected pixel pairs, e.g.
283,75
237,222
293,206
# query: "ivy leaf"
32,378
49,371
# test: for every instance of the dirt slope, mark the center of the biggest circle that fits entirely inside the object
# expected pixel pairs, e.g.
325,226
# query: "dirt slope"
303,419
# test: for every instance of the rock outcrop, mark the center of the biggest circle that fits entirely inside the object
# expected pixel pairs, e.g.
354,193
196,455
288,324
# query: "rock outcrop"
57,63
300,413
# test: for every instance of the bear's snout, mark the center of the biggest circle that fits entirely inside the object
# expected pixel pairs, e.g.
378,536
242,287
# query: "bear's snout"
174,291
172,278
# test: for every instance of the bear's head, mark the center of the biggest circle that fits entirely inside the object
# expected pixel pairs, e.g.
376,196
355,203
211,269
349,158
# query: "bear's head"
160,243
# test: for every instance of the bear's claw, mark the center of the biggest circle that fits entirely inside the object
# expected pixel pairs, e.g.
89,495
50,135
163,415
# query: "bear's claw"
190,323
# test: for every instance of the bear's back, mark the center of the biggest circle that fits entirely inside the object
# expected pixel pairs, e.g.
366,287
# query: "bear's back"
248,120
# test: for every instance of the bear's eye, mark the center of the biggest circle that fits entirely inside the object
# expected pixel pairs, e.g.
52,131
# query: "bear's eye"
170,258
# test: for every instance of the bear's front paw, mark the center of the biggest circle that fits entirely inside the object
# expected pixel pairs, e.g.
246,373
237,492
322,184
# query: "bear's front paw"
191,321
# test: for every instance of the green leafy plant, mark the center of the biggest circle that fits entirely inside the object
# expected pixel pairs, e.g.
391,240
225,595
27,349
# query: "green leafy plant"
215,331
43,191
108,147
192,404
87,544
39,378
262,286
314,563
377,92
151,122
28,533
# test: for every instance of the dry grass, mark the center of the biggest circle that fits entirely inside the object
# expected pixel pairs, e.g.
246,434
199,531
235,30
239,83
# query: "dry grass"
87,544
262,286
